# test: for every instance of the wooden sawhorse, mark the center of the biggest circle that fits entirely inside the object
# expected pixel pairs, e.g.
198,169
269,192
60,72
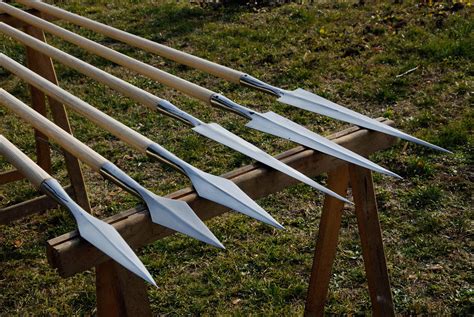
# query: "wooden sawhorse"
362,186
119,293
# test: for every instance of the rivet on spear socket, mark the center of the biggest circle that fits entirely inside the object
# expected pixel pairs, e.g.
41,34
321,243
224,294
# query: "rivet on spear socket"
299,98
170,213
97,232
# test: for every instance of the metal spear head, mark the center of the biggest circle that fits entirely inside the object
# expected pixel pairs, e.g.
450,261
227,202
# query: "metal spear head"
215,188
306,100
170,213
98,233
217,133
275,124
225,192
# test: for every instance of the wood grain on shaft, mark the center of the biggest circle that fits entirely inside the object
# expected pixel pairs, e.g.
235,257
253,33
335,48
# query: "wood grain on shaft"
133,40
70,255
118,84
116,57
67,141
22,162
108,123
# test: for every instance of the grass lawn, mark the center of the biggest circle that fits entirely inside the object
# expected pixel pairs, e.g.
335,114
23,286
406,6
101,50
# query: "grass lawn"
349,54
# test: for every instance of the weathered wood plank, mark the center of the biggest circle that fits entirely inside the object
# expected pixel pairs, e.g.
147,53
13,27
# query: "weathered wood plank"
120,292
38,102
69,254
10,176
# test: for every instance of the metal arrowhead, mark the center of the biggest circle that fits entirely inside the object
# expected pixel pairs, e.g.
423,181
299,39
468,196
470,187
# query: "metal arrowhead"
275,124
214,188
223,136
306,100
105,238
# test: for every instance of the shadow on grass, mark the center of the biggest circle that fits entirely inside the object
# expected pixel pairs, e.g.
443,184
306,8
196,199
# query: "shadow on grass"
170,20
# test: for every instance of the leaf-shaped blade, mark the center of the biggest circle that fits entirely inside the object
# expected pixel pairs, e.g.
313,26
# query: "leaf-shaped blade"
306,100
177,215
105,238
226,193
173,214
275,124
98,233
223,136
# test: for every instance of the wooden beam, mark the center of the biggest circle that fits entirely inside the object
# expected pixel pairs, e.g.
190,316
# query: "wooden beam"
120,292
10,176
38,102
43,65
36,205
326,244
70,255
371,239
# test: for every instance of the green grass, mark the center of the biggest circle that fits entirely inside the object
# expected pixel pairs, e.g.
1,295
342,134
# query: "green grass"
350,54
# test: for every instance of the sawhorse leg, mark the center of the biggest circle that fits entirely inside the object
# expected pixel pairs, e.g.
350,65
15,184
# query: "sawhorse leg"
371,240
120,292
43,65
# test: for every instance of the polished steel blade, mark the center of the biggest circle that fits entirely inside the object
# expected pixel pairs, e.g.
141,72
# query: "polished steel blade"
170,213
214,188
177,215
226,193
223,136
98,233
306,100
275,124
105,238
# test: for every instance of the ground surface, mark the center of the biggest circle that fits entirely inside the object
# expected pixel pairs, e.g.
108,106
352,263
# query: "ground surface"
350,54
